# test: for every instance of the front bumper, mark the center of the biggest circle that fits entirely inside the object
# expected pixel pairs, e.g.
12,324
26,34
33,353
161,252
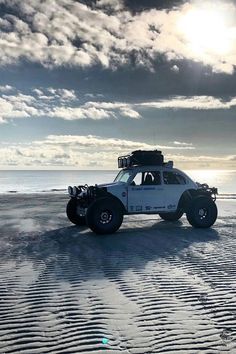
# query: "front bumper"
211,191
77,191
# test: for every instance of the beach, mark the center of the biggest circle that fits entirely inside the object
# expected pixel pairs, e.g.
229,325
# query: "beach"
152,287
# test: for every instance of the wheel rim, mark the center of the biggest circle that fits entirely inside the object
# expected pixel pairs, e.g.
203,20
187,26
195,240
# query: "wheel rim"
106,217
202,213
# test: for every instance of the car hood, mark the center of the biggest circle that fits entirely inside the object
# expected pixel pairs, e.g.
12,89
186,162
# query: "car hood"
111,184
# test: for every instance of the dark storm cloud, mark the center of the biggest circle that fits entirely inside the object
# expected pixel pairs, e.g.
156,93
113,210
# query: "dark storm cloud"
141,5
138,83
129,84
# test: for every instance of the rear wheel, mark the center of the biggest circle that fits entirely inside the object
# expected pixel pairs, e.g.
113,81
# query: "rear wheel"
72,214
104,216
172,216
202,212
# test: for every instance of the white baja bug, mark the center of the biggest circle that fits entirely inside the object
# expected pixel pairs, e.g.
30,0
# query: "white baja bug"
145,185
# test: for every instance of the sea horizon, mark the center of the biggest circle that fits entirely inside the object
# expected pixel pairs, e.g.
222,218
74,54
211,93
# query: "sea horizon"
41,181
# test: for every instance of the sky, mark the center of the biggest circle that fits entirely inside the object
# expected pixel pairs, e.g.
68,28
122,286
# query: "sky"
82,82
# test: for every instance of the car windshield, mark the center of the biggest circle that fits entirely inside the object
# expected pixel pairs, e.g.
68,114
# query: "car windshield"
123,176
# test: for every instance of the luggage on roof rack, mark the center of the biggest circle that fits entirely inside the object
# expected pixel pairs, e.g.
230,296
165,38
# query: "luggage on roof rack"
141,158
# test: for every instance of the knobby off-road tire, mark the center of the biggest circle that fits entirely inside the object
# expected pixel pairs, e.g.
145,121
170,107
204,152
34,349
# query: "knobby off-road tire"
172,216
202,212
104,216
71,212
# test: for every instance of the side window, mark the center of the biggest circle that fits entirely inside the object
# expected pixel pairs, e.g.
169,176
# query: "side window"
147,178
137,180
152,178
156,177
173,178
181,178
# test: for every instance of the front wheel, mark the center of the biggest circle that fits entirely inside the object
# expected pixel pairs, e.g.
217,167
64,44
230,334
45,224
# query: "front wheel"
202,212
176,215
71,212
104,216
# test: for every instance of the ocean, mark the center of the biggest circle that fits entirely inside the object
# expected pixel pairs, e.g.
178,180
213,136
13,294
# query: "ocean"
57,181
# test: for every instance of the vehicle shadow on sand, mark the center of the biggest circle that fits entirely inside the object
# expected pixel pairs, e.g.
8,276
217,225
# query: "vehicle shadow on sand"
70,252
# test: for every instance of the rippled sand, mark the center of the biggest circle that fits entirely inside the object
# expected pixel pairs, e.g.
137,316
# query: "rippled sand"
153,287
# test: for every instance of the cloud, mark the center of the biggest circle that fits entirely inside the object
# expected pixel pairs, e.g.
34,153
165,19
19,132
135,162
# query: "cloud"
75,151
70,113
16,107
60,103
51,93
91,141
182,143
62,94
112,145
111,4
175,69
70,33
105,105
202,158
49,102
65,104
6,88
123,108
128,112
93,95
173,102
38,92
191,102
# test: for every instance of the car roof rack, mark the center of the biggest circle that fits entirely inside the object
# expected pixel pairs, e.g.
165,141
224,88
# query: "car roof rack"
143,158
169,164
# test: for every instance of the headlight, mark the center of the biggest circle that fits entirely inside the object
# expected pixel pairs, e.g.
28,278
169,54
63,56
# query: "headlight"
70,190
75,191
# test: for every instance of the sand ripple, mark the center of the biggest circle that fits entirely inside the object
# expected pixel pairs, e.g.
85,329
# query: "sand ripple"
153,287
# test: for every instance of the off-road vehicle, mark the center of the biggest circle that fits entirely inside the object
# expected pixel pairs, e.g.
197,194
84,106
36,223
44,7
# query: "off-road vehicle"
145,185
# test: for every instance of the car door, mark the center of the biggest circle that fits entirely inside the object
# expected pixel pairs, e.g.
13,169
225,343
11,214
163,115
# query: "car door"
146,193
174,184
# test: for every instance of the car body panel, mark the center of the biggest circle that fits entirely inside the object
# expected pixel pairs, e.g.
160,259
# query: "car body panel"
149,198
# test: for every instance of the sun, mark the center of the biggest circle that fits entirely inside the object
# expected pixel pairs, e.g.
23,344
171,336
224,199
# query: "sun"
206,30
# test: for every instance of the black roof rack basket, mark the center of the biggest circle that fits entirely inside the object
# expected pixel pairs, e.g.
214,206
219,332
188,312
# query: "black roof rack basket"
141,158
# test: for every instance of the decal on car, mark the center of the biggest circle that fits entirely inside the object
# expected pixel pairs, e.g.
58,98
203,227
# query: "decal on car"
139,208
143,189
171,206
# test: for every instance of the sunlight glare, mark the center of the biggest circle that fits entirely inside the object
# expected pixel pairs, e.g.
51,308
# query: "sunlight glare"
206,29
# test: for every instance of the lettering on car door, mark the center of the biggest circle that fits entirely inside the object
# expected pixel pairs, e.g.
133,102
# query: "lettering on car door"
146,193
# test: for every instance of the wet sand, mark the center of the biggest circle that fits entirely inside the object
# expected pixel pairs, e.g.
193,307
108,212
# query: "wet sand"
153,287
